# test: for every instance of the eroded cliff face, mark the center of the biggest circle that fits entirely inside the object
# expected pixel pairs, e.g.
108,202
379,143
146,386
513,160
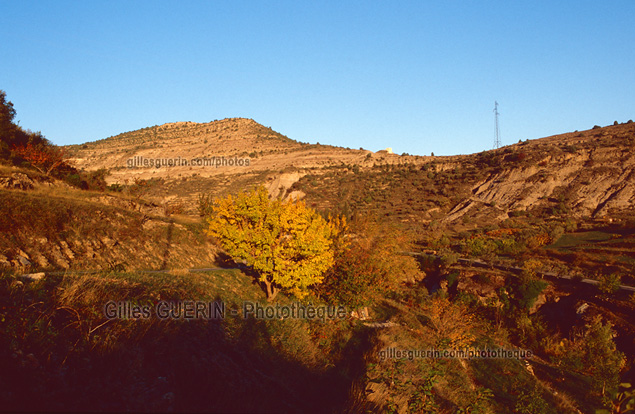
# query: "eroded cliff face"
588,174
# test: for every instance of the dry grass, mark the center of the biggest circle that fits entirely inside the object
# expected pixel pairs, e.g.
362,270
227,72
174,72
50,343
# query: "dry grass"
57,326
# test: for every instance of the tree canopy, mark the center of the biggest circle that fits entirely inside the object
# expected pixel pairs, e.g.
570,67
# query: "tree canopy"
287,243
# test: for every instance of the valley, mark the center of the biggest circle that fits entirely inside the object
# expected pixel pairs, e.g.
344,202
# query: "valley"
529,246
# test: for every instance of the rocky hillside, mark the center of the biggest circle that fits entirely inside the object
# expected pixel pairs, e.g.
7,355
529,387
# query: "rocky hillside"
47,225
586,174
590,172
265,157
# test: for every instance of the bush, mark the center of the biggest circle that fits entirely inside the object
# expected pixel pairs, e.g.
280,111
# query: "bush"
526,288
451,325
115,188
594,353
205,204
531,403
479,246
96,180
88,180
556,232
609,283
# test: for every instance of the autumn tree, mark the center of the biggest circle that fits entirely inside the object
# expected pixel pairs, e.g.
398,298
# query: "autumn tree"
287,243
369,262
7,128
7,113
450,325
44,157
18,145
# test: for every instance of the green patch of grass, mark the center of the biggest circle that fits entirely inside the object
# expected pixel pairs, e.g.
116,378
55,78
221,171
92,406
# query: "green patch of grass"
575,239
508,380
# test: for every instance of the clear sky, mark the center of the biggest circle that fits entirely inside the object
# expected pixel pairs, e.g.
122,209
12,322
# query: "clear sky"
417,76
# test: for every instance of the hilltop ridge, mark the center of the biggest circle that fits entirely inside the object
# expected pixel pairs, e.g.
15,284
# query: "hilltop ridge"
233,137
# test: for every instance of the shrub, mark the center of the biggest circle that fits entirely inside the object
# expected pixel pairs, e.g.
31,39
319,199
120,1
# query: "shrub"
88,180
451,325
594,353
609,283
531,403
205,204
526,288
448,258
479,246
556,232
115,187
96,180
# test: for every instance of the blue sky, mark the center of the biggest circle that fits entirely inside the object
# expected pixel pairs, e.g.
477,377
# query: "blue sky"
419,77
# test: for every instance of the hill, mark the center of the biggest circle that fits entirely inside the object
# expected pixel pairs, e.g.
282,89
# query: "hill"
266,157
242,138
588,172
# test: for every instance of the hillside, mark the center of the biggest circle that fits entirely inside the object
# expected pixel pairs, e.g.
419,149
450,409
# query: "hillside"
589,173
586,174
48,225
266,149
273,159
527,247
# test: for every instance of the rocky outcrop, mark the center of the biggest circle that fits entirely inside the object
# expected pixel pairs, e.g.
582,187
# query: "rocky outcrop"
280,184
16,181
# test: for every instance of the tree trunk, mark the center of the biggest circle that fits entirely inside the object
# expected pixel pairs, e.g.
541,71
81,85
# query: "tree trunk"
272,296
272,291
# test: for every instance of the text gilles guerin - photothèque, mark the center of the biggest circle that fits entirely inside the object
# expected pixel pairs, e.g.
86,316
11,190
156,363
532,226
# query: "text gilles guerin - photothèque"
190,310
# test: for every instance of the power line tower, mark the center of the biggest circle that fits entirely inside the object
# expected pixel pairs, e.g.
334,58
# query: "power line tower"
497,139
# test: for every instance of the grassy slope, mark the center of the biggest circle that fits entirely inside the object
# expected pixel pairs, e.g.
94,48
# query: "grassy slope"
60,352
61,227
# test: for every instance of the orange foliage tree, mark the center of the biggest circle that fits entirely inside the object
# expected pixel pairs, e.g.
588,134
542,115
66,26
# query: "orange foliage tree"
45,158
